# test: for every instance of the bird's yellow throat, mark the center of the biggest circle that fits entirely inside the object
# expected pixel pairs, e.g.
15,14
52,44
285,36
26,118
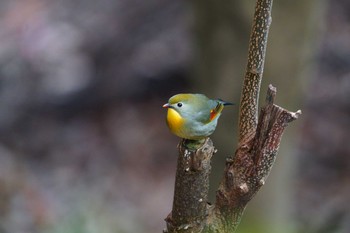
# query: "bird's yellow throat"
175,121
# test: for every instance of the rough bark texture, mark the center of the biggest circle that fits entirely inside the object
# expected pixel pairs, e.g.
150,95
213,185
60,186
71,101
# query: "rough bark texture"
247,170
191,188
255,67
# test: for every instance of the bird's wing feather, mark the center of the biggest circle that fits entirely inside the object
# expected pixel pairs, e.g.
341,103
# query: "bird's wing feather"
215,111
209,113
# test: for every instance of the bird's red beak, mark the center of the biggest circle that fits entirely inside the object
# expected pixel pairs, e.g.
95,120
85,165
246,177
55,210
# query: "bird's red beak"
166,105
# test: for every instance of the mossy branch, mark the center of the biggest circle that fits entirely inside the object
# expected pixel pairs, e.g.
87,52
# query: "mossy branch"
245,172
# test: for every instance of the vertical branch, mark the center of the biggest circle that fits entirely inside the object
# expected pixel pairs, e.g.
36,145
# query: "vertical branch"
247,171
248,115
191,188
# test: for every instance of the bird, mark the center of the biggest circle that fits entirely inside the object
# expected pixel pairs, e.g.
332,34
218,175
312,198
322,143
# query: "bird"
193,116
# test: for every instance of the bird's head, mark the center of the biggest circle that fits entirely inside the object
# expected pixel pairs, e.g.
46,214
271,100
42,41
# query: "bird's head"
184,103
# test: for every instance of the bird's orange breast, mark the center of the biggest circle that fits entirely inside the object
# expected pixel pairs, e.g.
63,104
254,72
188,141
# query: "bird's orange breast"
175,121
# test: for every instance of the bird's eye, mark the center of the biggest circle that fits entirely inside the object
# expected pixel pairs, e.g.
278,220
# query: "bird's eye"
179,105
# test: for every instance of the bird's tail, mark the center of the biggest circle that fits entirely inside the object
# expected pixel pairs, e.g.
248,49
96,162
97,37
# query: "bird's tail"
225,103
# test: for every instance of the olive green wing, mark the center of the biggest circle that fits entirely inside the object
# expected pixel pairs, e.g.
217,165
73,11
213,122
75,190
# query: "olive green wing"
210,112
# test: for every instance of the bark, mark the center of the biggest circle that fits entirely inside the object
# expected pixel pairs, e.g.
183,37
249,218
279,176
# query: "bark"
247,170
254,71
191,188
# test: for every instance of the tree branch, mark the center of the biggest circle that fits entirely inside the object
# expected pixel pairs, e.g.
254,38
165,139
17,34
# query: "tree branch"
248,115
245,173
190,207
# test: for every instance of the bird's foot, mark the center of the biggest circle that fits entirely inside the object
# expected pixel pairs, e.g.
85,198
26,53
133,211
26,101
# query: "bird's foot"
193,144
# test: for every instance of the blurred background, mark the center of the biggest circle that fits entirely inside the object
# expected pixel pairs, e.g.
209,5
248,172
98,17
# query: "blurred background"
83,143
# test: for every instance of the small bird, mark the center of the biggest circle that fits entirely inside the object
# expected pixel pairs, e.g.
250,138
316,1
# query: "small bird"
193,116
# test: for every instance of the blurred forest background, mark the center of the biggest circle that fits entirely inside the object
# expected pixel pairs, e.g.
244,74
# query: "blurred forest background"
83,143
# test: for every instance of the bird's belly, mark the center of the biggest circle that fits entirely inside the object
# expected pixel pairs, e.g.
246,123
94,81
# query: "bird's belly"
198,130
